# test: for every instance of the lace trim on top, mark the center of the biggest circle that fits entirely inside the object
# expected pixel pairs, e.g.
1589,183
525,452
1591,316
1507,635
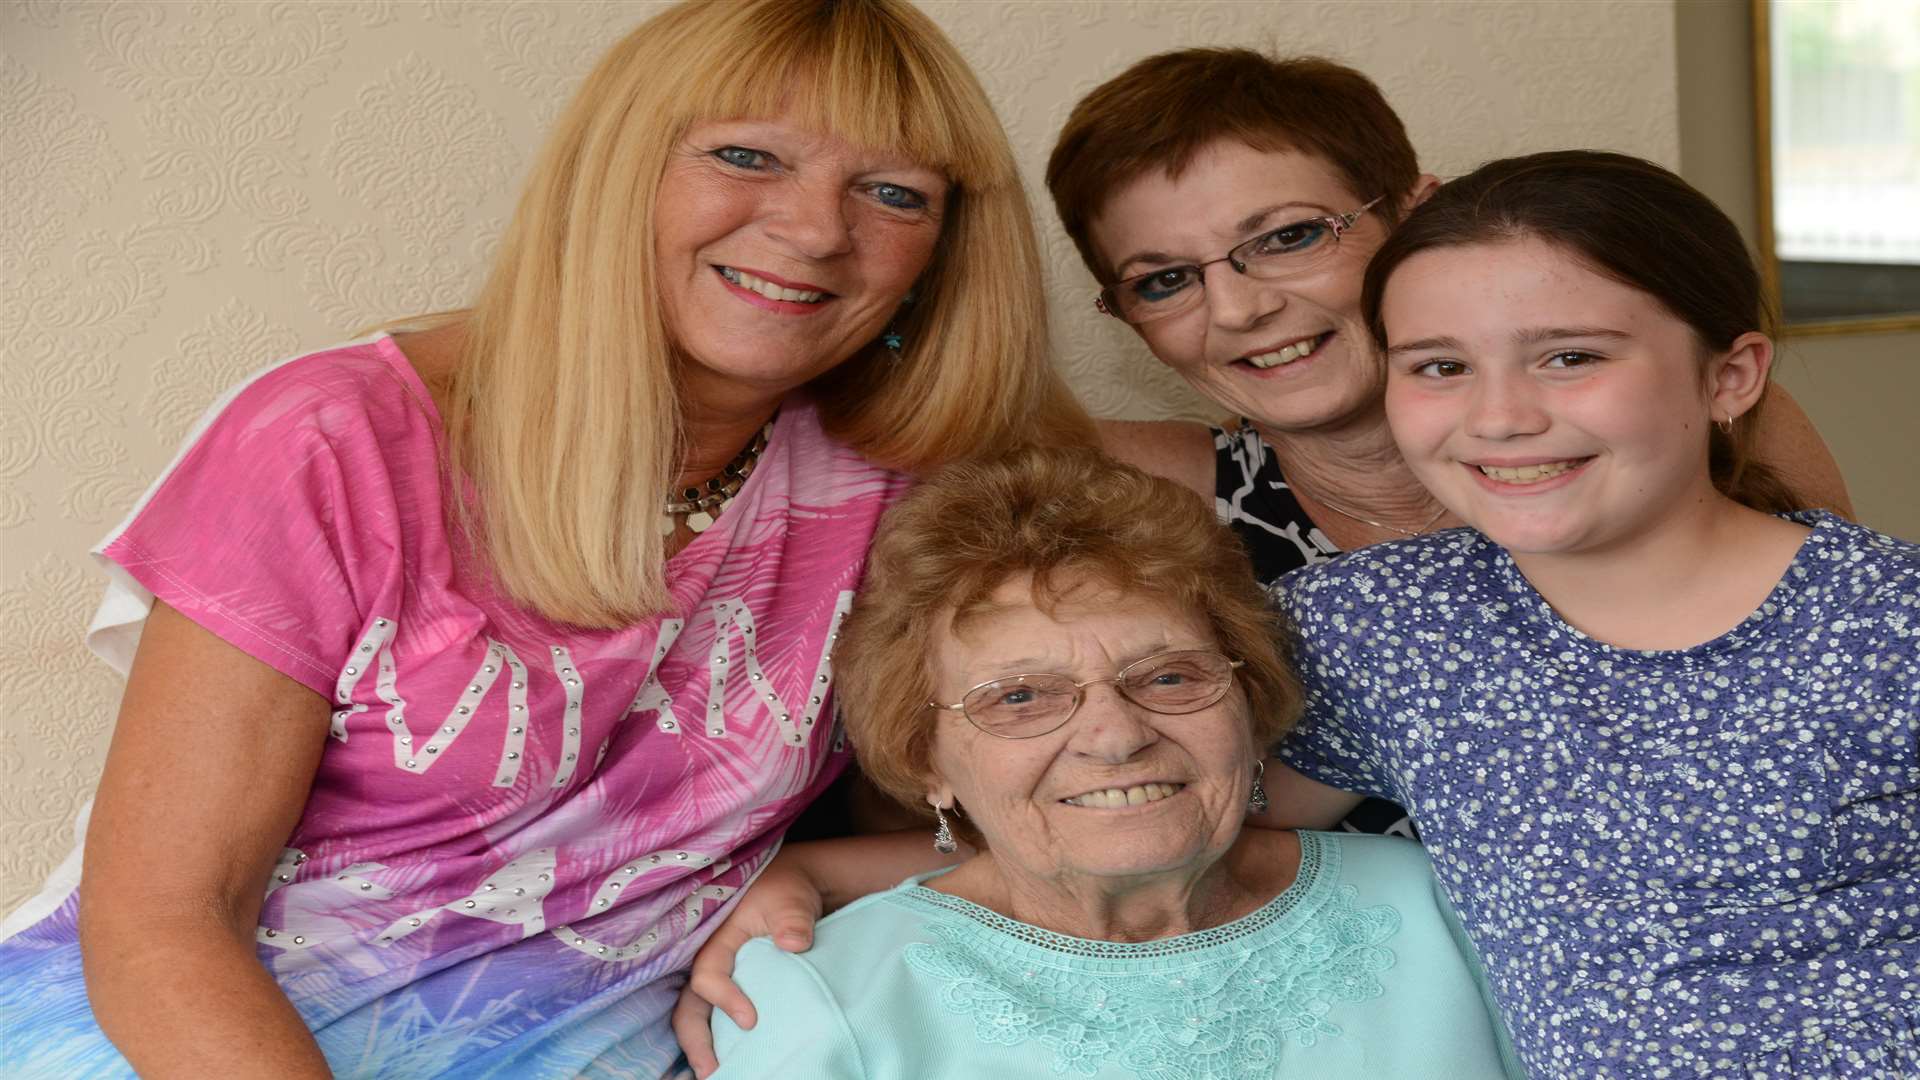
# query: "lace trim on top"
1219,1004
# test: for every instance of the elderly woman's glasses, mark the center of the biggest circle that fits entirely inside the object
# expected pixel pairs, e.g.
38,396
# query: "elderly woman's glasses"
1277,253
1023,706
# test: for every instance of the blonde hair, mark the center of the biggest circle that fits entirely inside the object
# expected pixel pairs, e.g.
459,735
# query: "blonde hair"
1068,517
563,410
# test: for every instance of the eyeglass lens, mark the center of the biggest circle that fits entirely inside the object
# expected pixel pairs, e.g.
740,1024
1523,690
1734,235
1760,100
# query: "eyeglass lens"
1170,682
1277,253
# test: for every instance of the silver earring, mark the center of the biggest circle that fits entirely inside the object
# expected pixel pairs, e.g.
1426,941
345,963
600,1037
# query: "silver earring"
1257,799
1725,426
943,834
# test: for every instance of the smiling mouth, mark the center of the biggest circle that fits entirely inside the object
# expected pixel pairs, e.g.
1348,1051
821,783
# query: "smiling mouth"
1531,474
1109,798
768,289
1287,354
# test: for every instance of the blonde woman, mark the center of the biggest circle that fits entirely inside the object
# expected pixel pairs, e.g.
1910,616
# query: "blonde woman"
473,670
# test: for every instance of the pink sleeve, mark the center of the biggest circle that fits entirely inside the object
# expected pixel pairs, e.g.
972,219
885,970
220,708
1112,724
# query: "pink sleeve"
275,524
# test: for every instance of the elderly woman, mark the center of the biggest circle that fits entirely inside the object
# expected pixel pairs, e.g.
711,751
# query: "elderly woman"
1066,662
473,670
1227,203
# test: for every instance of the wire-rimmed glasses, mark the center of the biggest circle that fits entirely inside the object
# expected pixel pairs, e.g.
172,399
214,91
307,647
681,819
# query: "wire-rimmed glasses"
1025,706
1291,249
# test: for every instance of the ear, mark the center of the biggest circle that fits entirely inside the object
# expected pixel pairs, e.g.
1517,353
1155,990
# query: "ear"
939,794
1423,188
1738,377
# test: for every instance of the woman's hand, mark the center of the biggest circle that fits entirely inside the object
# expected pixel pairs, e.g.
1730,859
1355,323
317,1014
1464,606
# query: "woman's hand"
803,882
783,903
209,769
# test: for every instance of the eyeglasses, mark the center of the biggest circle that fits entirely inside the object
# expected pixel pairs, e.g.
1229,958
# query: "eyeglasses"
1277,253
1026,706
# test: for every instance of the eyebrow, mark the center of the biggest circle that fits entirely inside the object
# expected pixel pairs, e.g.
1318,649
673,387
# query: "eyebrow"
1533,335
1536,335
1240,228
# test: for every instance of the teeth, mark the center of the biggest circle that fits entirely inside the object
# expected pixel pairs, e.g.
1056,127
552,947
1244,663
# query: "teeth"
1528,474
1286,355
1133,796
768,289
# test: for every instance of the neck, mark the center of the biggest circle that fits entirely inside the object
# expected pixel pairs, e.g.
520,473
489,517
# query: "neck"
1215,891
1359,469
716,433
1699,573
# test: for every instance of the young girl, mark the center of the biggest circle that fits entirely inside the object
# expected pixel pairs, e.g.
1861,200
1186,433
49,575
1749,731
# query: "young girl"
1659,739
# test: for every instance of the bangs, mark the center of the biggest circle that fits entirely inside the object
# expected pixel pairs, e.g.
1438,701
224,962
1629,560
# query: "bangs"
877,76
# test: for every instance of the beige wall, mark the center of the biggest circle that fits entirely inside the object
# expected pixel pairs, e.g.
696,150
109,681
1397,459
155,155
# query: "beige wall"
1860,389
189,190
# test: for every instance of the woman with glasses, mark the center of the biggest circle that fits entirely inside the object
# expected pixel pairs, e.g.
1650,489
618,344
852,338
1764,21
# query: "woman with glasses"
1227,203
1066,664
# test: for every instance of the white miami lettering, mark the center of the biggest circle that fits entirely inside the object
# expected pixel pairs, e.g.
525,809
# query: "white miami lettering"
734,619
374,651
607,897
652,695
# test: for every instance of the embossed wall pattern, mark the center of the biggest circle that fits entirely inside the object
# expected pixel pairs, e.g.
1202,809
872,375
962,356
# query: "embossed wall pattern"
190,191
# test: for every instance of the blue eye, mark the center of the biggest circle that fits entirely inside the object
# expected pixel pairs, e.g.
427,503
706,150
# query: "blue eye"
1163,284
898,197
742,157
1288,239
1020,696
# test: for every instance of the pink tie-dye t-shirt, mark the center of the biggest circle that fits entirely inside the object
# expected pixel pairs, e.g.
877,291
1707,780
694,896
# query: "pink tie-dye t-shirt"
520,831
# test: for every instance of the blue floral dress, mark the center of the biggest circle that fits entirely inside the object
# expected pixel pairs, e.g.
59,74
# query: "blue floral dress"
1693,863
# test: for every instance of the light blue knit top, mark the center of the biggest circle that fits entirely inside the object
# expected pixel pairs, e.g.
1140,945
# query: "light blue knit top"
1354,971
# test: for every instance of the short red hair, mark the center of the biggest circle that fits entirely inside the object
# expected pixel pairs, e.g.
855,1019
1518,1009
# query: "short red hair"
1161,112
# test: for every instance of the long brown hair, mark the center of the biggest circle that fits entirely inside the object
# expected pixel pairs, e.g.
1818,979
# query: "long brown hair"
1633,221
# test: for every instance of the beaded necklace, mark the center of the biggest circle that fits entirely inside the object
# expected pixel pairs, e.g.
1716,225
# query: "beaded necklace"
699,506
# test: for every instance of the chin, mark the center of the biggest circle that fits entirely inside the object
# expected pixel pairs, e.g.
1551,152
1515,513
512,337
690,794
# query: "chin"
1538,538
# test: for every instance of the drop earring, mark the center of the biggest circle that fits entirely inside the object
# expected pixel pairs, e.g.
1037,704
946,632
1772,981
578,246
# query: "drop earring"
943,833
892,338
1257,798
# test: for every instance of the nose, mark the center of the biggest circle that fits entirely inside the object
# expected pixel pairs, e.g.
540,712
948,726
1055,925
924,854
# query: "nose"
812,220
1109,728
1236,301
1504,406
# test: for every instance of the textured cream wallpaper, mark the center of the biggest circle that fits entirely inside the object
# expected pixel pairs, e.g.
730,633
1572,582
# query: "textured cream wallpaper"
191,190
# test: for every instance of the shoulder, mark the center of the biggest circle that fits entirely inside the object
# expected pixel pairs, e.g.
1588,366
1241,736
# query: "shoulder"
361,388
1179,450
849,943
820,467
1851,549
1377,859
1863,586
1388,870
1398,575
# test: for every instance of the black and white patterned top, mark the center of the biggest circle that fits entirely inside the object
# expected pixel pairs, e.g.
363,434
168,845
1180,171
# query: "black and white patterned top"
1699,862
1252,498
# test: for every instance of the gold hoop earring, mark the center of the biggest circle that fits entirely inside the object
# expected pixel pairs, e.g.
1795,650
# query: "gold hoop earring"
1725,426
